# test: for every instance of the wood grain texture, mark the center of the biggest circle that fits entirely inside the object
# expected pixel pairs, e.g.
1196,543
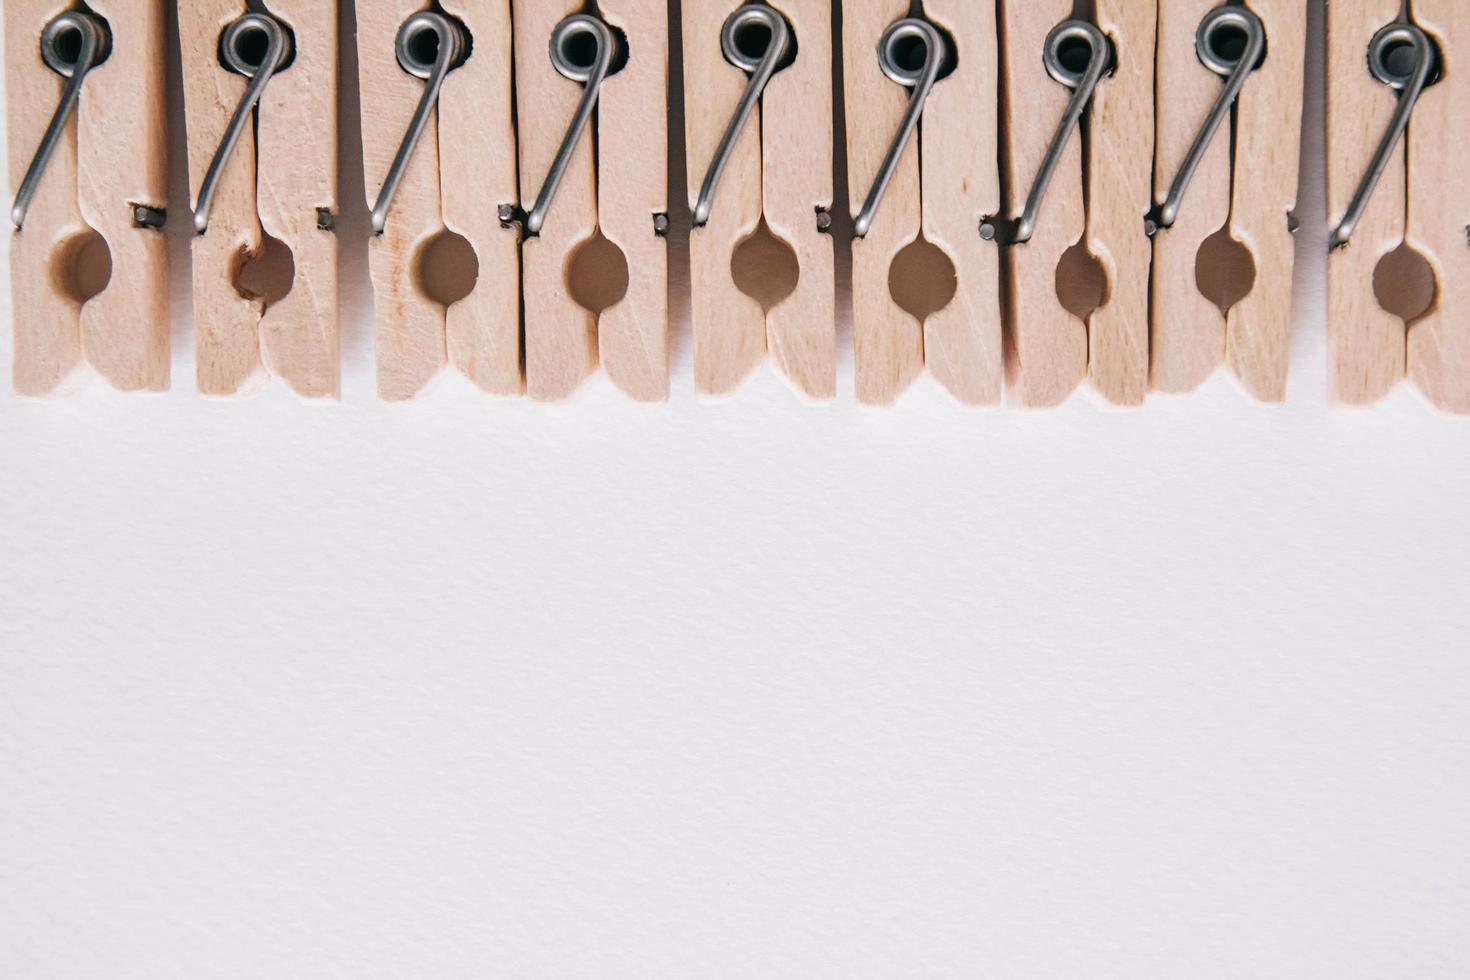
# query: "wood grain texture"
113,156
123,158
226,323
1366,343
729,326
888,341
963,346
561,334
632,187
46,319
1267,157
797,151
483,330
1048,343
1439,212
409,327
299,334
1188,329
1119,180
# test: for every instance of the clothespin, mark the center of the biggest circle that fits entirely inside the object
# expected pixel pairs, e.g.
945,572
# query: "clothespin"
758,109
438,154
1398,194
929,80
85,93
594,255
1072,227
1231,197
260,96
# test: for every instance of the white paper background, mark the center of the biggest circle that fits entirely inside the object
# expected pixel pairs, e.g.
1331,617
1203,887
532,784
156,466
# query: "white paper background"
744,689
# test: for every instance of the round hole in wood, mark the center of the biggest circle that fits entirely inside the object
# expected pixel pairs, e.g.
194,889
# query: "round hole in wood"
1404,283
597,274
1224,271
267,274
922,279
447,268
765,268
81,265
1082,285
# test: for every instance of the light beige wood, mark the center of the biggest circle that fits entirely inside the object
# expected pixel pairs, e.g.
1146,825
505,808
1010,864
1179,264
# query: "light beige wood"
561,334
409,327
632,187
113,157
1049,344
237,335
960,130
47,320
1439,196
1267,154
483,330
1188,329
781,168
1366,343
1119,175
796,159
452,185
888,341
226,322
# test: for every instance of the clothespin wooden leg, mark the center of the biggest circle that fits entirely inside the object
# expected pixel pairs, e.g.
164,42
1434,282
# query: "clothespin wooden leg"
960,184
1366,343
729,326
888,341
632,192
226,321
561,334
1119,176
1188,328
1049,343
1267,155
47,319
478,154
1439,212
796,187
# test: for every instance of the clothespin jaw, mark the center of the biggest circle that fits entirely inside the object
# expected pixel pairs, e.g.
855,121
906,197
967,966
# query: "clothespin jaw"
758,134
1076,259
592,92
1399,302
1231,302
260,96
933,80
439,154
89,267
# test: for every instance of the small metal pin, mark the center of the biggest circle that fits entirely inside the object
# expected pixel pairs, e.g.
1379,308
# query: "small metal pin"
1402,57
242,52
744,30
572,60
429,46
661,224
1065,42
72,44
1230,41
148,217
897,50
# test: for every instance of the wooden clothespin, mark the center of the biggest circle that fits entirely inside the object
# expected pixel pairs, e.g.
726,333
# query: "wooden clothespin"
260,96
85,94
1398,194
1233,198
438,154
941,67
1066,217
594,255
758,131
